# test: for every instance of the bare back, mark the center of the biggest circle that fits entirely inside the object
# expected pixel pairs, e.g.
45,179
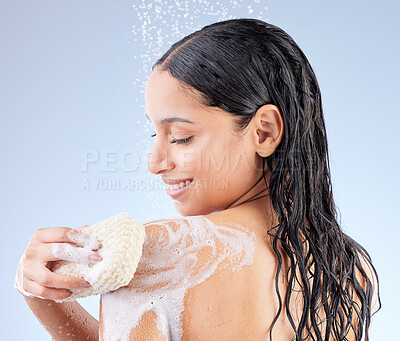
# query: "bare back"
238,305
227,296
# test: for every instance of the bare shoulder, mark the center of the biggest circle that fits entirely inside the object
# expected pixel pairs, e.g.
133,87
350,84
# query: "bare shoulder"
156,227
200,277
216,261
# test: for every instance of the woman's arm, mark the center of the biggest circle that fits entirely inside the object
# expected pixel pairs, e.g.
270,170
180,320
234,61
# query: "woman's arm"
64,321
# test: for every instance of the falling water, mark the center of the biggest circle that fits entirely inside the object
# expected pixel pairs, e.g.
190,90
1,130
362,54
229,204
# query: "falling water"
160,24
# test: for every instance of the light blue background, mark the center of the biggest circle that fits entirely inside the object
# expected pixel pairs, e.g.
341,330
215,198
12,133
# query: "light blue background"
71,85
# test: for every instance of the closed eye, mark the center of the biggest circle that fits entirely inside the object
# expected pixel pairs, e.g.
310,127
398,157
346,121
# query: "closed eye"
182,141
177,141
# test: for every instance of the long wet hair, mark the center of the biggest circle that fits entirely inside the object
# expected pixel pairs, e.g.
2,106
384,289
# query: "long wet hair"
240,65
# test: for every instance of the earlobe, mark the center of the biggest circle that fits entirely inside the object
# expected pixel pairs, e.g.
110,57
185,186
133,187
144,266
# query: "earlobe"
268,125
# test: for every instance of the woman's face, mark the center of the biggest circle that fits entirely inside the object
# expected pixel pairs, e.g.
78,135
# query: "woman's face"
222,166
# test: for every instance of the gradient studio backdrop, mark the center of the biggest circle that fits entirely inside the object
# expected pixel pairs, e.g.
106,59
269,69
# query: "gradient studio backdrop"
74,138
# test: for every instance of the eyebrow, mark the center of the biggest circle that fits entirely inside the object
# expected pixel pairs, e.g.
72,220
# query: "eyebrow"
169,120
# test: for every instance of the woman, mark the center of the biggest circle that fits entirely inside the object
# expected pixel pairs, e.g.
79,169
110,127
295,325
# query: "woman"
236,102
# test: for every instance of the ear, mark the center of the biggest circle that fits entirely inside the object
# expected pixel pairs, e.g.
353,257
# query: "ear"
268,129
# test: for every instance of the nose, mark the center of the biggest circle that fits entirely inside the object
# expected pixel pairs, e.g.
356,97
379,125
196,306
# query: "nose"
159,160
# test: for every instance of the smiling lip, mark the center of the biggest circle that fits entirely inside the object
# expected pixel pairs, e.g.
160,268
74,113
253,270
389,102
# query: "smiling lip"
174,193
172,182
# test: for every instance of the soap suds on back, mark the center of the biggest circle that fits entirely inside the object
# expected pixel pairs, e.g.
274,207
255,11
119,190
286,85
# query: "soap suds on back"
179,259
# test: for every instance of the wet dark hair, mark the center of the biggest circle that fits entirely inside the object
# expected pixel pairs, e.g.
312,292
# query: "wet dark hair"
240,65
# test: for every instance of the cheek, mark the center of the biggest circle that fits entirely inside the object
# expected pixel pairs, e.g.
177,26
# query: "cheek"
195,158
220,156
188,159
217,160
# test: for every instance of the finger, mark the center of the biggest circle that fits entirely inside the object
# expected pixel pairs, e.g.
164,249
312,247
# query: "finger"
50,253
84,239
65,235
38,290
51,235
66,251
49,279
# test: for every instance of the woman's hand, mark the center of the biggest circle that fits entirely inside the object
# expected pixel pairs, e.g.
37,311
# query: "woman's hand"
34,277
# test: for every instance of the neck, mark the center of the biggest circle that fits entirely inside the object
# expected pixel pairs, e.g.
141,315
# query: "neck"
258,194
255,204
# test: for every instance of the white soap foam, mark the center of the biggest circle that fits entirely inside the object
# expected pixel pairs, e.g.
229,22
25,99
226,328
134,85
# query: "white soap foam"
169,266
93,273
77,254
66,251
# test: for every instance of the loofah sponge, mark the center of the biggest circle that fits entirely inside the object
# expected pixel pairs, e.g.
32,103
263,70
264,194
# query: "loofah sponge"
122,239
